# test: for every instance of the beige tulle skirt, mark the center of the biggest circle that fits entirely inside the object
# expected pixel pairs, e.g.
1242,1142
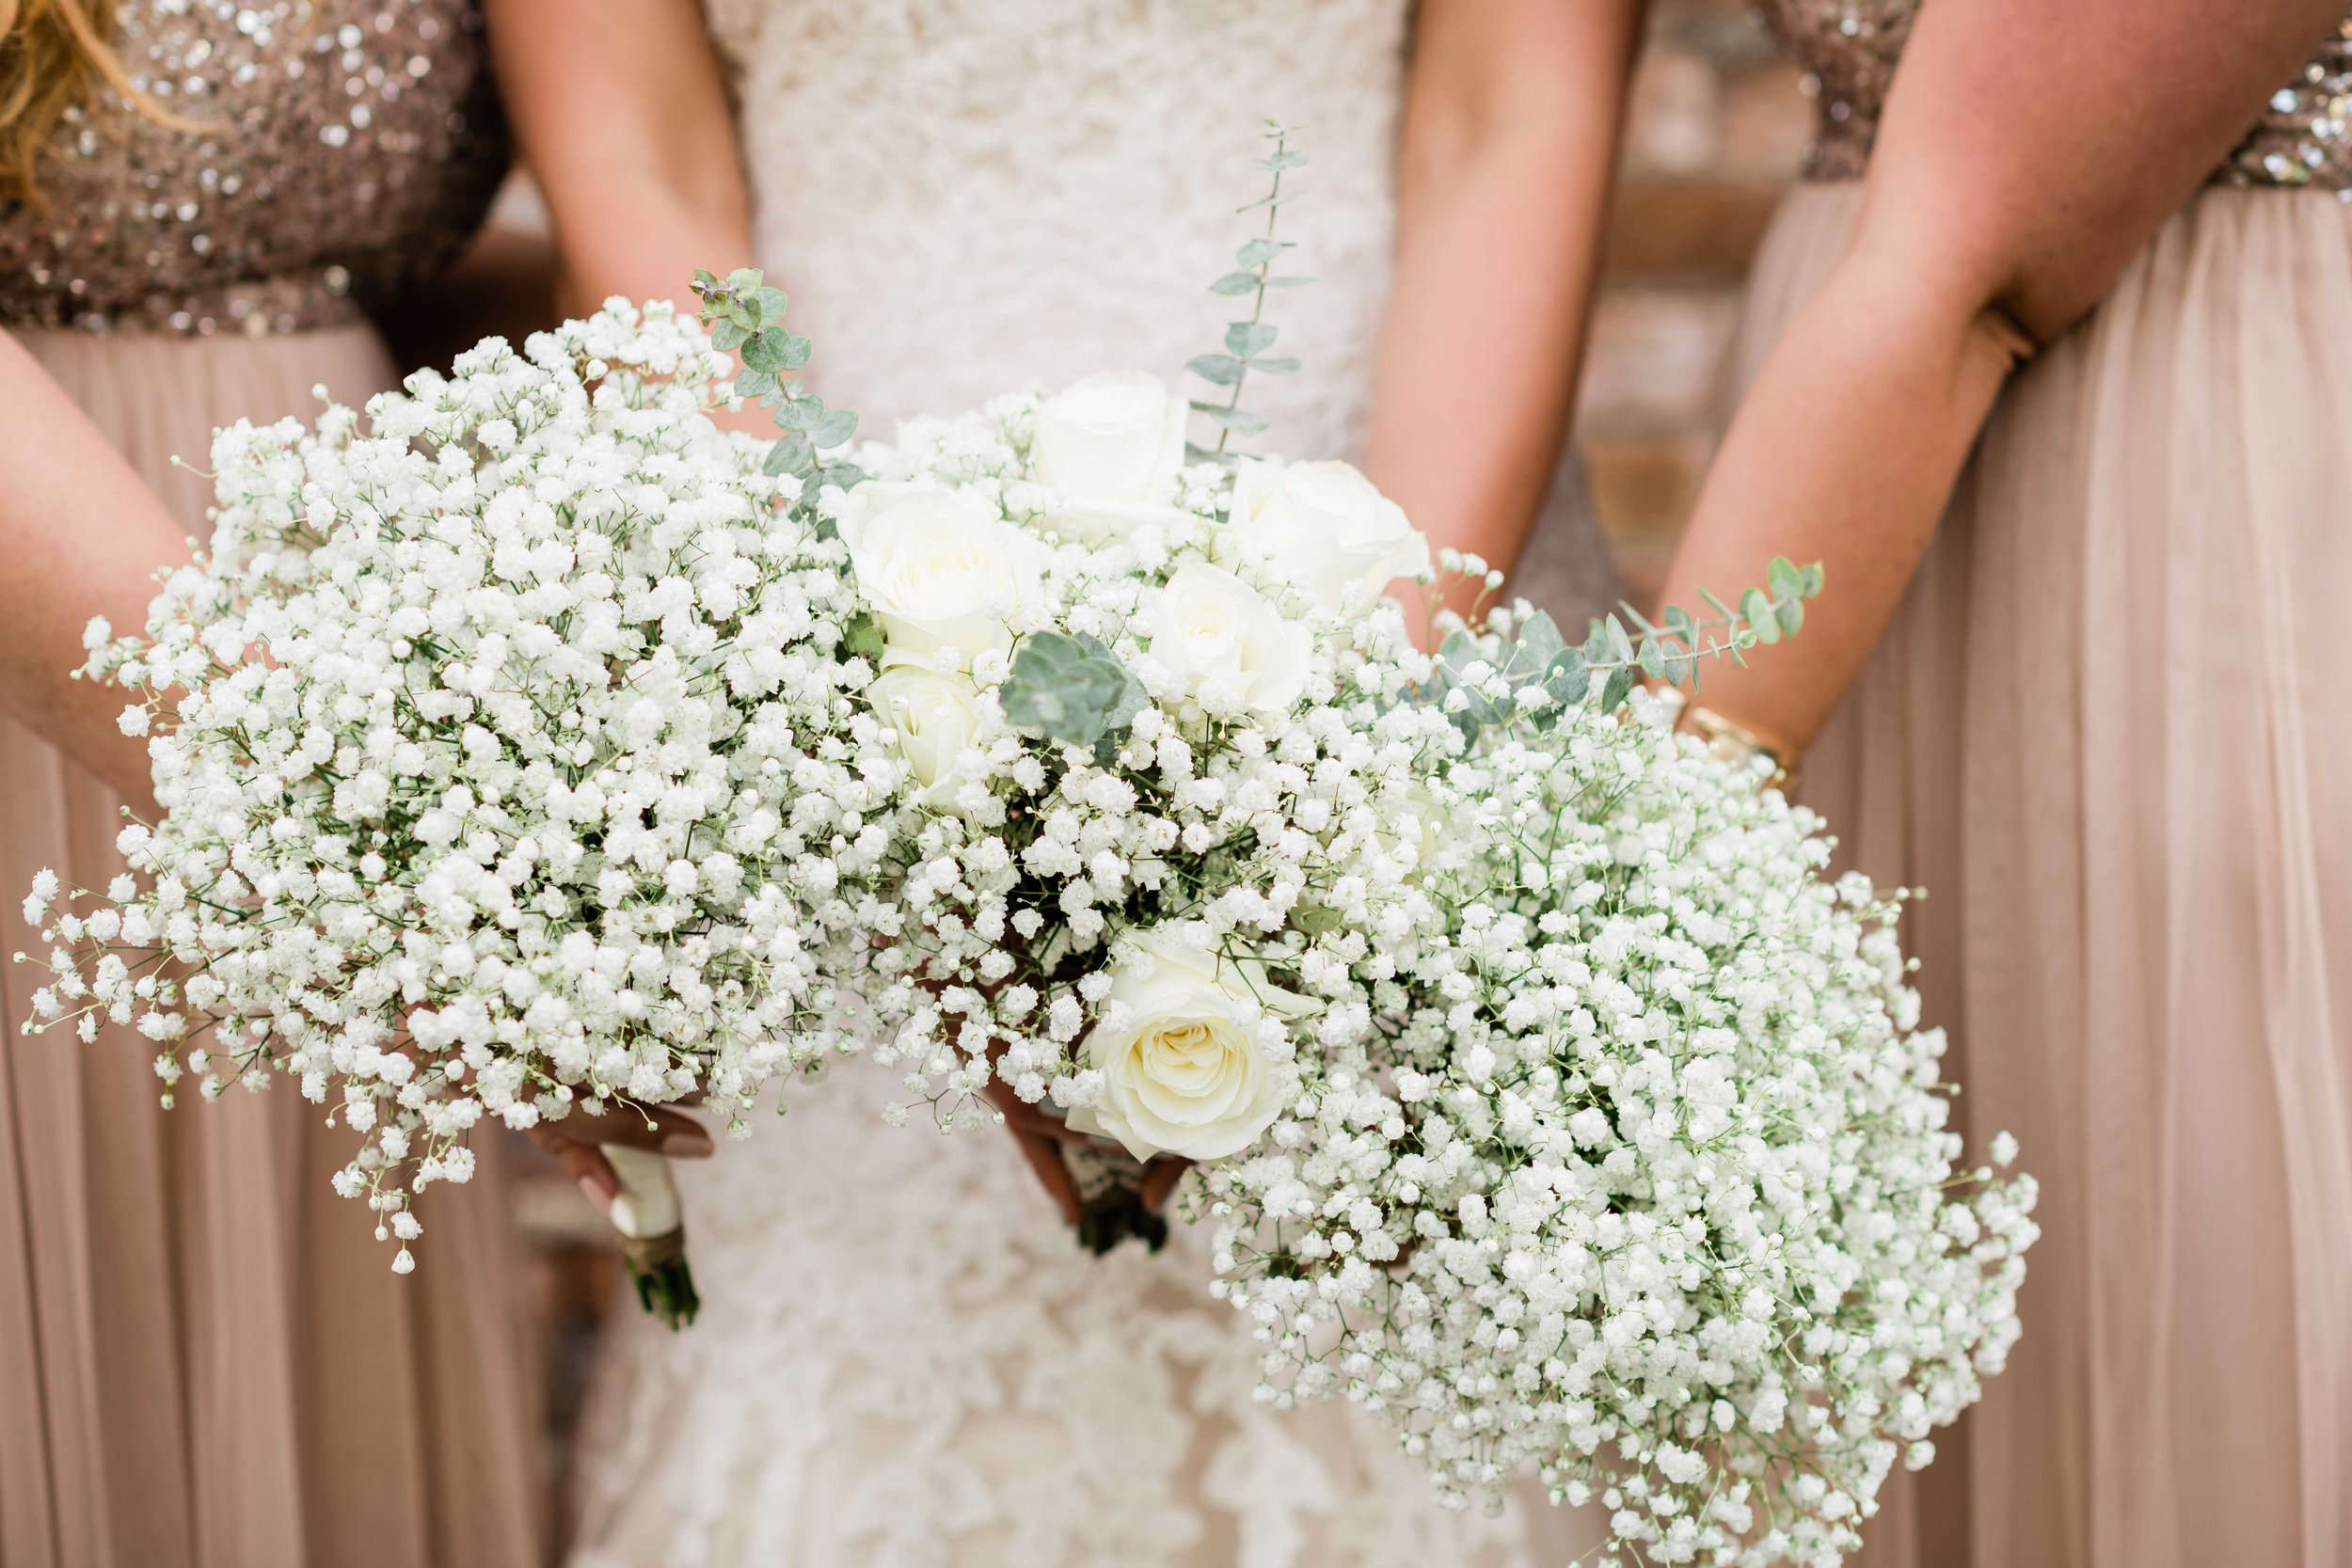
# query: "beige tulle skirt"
205,1358
2110,734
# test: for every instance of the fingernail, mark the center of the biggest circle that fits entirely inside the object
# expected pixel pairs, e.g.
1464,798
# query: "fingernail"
593,1193
687,1145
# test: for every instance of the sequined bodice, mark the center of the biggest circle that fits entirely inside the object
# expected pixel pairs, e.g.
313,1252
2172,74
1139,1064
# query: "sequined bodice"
340,149
1849,49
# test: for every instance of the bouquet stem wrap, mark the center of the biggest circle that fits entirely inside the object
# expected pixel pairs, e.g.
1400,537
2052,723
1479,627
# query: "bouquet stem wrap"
652,1226
1109,1183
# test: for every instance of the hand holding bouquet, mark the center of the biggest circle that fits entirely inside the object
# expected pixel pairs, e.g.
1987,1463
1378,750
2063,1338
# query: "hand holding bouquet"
515,768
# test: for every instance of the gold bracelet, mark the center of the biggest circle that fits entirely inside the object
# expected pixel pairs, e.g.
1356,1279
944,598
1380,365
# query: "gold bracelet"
1729,741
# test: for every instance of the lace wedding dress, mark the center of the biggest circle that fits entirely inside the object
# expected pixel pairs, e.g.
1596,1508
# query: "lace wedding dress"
903,1359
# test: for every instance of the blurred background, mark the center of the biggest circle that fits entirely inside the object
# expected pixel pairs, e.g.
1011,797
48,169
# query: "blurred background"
1718,127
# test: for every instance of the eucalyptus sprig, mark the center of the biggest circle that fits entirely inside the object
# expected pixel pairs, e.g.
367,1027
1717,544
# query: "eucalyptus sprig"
746,316
1247,342
1528,665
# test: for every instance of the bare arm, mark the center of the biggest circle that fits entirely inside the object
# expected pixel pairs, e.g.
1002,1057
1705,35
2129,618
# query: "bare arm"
81,535
2028,152
1509,144
621,111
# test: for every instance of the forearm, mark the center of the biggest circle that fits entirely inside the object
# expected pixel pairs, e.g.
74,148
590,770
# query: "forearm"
645,241
2027,153
622,112
82,536
1503,170
1479,350
1844,452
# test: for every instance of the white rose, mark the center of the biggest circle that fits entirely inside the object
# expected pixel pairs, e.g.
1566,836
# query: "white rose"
939,722
1109,447
1324,526
1186,1070
1208,626
940,568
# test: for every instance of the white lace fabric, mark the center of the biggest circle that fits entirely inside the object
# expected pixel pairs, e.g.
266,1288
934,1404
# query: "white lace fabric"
904,1360
962,196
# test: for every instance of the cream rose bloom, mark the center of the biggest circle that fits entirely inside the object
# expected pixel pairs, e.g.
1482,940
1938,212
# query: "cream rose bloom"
1185,1071
939,722
1215,631
1324,526
1109,447
940,568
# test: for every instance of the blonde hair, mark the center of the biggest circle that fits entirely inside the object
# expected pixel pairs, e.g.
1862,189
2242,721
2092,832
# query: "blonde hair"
53,53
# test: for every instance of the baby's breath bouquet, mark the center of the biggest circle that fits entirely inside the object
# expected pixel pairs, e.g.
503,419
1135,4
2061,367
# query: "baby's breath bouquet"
1636,1168
510,759
1146,705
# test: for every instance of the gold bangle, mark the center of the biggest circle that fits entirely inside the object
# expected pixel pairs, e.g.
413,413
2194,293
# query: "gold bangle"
1730,741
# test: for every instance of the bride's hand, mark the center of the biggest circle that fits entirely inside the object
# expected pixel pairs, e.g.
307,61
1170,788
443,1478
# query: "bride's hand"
1041,1137
577,1142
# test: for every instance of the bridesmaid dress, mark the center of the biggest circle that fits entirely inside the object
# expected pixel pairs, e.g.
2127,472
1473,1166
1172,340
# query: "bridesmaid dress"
2107,733
205,1359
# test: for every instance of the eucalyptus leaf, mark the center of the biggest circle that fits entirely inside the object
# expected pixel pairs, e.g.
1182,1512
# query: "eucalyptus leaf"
1293,282
1790,613
765,350
1275,364
1223,368
1070,689
1236,284
770,303
1620,646
1455,656
1758,613
1566,678
728,336
1540,643
755,384
1247,338
1241,422
1317,921
864,637
791,454
1258,252
1784,579
841,476
836,427
1614,690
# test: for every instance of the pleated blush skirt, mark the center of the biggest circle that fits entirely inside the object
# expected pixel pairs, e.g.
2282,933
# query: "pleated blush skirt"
205,1358
2110,734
